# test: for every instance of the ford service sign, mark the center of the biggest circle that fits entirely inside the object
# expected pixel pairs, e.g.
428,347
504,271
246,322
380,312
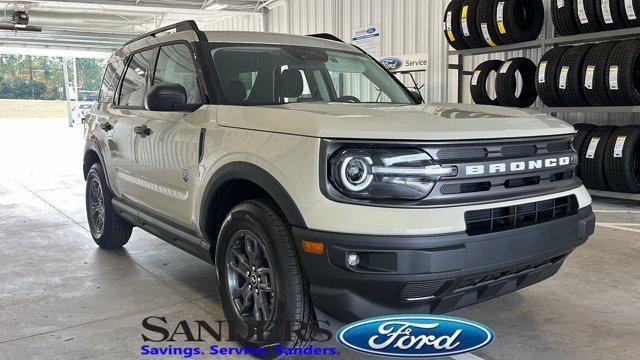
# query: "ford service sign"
391,63
415,336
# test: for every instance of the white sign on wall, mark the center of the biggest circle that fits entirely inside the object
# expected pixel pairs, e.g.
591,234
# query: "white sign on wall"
367,38
406,63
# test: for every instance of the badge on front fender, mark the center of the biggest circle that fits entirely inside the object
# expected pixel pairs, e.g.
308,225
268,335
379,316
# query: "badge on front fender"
415,336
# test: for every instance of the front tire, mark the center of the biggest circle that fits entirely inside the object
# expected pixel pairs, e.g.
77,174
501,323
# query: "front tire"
260,276
108,229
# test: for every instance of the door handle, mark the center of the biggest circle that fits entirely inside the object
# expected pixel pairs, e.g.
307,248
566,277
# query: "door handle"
106,126
143,131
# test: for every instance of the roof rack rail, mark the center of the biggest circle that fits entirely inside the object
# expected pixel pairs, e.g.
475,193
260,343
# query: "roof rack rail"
326,36
188,25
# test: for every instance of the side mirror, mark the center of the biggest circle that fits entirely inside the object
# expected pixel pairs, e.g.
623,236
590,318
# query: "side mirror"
416,96
166,97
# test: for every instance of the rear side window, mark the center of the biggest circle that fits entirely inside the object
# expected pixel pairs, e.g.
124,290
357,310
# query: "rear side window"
134,84
110,81
175,66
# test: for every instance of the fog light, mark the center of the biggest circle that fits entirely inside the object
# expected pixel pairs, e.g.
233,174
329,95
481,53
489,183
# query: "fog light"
353,259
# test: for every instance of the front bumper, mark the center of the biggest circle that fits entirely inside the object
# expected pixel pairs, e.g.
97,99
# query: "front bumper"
434,274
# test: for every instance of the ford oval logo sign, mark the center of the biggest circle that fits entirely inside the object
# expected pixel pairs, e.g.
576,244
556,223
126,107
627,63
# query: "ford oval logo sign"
371,30
415,336
391,63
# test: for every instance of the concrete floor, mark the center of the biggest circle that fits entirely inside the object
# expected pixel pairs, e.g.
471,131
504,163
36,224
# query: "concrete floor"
61,297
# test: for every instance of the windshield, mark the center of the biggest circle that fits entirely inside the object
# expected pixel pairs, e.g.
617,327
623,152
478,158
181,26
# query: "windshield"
281,74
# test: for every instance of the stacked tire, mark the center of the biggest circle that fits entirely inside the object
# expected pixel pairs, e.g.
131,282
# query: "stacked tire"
605,74
484,23
609,157
572,17
507,73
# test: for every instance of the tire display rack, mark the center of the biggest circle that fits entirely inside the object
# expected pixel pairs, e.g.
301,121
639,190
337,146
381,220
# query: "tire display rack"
545,43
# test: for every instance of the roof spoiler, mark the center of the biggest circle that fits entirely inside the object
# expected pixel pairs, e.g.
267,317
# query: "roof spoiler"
188,25
326,36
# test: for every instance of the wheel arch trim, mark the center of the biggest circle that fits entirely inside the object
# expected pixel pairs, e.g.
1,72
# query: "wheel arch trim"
92,145
240,170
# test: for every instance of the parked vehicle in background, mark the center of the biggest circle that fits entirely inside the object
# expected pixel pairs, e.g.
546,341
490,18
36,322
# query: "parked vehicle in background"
80,113
312,178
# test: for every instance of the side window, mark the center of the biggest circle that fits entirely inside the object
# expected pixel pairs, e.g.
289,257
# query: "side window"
110,81
175,66
134,84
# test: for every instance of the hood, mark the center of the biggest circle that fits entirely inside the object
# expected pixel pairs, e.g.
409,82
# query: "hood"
393,122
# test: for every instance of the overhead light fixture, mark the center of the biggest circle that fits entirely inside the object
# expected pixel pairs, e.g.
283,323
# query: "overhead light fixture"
215,6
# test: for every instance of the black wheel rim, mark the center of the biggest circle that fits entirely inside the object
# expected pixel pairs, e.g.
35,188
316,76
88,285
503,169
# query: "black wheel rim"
96,207
250,278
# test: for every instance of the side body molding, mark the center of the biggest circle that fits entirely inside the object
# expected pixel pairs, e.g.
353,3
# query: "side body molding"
260,177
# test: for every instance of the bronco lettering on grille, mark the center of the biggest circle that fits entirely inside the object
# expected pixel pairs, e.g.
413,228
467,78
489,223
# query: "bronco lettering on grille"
519,165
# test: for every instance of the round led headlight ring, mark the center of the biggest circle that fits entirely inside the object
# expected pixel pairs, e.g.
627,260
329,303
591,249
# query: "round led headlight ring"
355,173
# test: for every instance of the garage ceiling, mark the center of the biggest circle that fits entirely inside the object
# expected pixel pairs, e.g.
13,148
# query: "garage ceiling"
104,25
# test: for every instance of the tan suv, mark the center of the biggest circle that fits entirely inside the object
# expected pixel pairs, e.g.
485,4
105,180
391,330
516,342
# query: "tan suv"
314,180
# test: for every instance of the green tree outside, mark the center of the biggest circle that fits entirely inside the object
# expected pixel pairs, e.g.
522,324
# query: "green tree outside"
42,78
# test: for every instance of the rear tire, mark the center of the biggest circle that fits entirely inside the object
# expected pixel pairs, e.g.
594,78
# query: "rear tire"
108,229
254,239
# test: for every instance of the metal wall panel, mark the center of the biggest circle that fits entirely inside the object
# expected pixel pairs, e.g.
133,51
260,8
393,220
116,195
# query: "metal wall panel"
242,22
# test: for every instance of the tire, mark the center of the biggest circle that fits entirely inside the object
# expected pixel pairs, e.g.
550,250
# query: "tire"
564,21
486,23
593,171
506,85
610,14
108,229
468,27
481,74
630,12
570,76
626,57
583,131
587,21
256,223
595,74
623,167
452,29
547,80
518,20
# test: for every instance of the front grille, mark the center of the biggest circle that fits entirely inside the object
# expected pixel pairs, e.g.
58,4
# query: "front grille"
498,180
513,217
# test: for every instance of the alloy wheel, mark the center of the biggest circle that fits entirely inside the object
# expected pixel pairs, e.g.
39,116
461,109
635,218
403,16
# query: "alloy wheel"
250,277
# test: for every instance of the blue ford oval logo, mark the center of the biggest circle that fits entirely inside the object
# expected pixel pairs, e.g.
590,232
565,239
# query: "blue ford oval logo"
371,30
391,63
415,336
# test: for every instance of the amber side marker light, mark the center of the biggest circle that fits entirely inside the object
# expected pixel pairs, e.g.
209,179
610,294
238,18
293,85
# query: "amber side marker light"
311,247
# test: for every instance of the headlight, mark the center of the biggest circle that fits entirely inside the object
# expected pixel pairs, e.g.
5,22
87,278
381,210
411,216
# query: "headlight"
385,174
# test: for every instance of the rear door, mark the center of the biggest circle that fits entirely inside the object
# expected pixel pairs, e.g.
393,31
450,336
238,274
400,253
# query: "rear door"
166,158
112,131
130,111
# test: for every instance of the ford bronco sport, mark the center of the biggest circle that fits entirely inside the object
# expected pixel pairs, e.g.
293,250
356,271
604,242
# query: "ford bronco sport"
314,180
